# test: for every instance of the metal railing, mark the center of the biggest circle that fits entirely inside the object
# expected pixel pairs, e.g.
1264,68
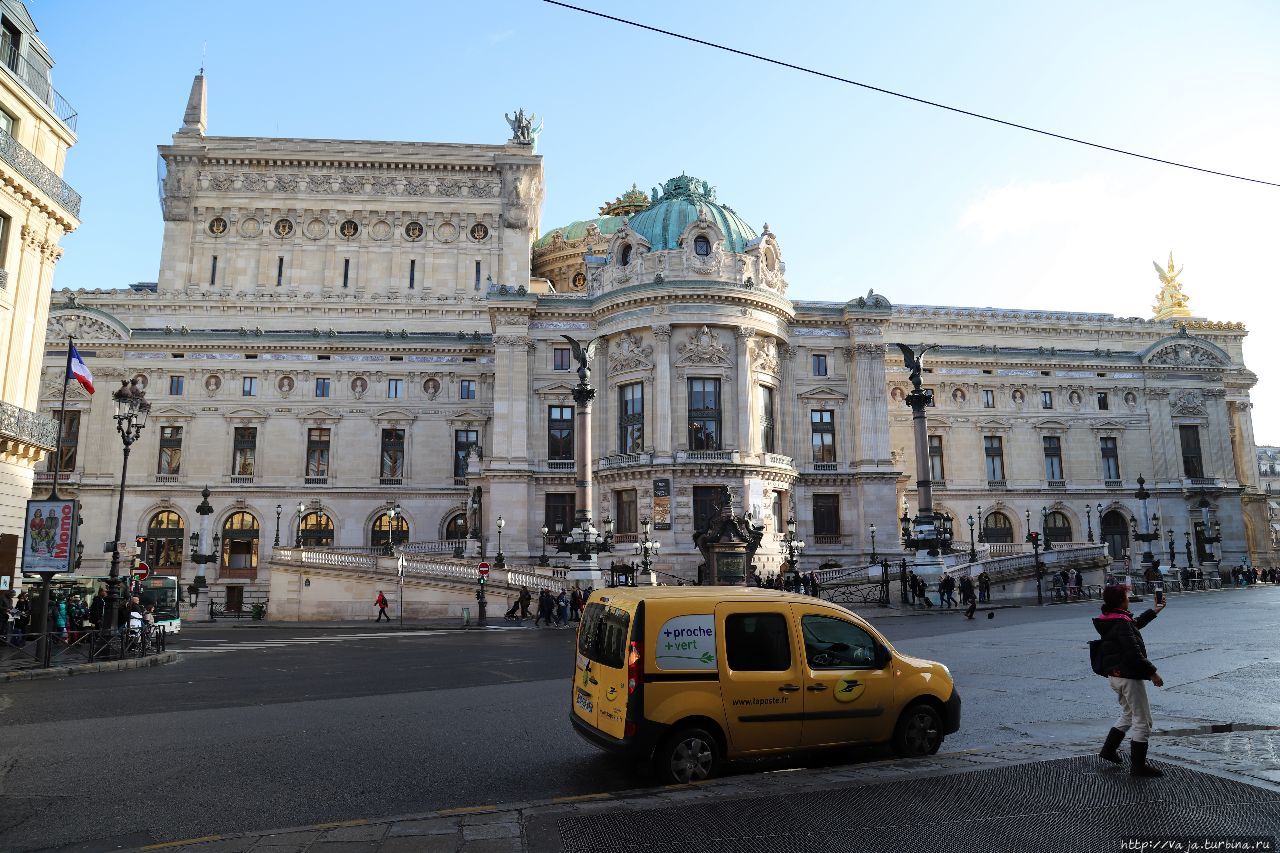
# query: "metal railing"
35,79
624,460
28,427
29,166
421,566
24,650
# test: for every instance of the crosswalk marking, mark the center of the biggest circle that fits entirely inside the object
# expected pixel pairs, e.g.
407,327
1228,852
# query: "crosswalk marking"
223,646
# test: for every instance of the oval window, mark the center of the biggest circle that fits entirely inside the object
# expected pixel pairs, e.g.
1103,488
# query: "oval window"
701,246
283,227
626,254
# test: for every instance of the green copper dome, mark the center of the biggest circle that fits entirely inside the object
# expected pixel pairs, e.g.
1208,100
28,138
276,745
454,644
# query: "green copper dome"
680,203
578,230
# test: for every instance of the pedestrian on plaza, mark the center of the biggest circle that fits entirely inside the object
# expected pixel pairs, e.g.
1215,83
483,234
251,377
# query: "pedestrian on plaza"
575,603
984,586
525,598
513,609
76,613
9,613
98,609
946,591
23,619
381,603
967,596
544,612
58,618
814,586
1124,660
911,585
562,605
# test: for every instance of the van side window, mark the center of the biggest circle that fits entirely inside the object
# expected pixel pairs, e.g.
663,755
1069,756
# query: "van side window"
836,644
757,642
603,634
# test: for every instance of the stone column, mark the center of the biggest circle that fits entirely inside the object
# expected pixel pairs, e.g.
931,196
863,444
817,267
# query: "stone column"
1245,449
873,416
744,443
1219,437
1165,455
661,405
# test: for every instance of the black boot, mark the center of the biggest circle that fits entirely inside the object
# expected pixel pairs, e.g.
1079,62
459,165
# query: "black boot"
1138,765
1109,748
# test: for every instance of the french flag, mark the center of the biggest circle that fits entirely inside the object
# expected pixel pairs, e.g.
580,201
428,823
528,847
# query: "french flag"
78,370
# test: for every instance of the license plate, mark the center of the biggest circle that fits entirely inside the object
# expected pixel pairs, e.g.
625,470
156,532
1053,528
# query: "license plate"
583,700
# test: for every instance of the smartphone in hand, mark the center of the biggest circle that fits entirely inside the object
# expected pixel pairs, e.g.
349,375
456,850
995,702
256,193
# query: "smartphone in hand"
1159,596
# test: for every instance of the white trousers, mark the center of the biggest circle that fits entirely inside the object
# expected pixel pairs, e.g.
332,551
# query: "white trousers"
1135,710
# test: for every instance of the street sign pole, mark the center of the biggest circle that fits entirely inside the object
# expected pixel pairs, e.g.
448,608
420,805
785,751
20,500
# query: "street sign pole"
480,596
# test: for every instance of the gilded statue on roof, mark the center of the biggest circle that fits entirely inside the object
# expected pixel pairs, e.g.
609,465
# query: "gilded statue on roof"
1170,301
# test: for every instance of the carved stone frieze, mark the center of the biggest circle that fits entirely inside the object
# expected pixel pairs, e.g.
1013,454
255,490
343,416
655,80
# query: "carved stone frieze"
630,353
86,326
1184,354
765,358
662,332
703,347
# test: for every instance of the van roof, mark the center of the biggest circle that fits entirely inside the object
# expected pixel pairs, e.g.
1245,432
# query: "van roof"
627,595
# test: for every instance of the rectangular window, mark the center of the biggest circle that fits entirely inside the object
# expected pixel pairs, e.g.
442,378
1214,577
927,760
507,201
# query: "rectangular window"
244,449
175,386
757,642
558,512
279,270
395,389
560,432
631,418
705,500
249,386
477,275
413,268
213,271
1052,457
1046,399
392,460
1192,461
625,511
70,440
704,414
819,361
170,450
826,515
1103,402
603,634
6,122
323,384
560,359
937,466
318,452
346,271
768,436
994,446
988,398
463,441
1110,458
467,389
822,430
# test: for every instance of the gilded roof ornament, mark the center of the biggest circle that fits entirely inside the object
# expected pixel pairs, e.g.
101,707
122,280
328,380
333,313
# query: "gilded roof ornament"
632,201
1170,301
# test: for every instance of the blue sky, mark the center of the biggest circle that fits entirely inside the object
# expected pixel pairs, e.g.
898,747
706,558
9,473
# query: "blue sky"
862,190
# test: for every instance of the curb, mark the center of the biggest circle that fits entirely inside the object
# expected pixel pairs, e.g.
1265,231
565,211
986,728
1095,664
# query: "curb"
86,668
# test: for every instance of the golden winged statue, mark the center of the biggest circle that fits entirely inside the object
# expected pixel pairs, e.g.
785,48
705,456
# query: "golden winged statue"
1170,301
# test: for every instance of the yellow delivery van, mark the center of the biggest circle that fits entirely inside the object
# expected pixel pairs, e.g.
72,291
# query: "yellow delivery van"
690,677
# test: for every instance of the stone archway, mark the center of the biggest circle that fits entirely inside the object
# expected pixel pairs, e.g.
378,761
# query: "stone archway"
1115,533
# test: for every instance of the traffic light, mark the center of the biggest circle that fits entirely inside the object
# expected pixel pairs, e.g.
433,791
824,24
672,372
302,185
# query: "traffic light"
483,580
141,541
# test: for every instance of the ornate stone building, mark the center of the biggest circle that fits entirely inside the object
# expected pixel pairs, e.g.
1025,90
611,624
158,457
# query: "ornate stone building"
37,208
356,325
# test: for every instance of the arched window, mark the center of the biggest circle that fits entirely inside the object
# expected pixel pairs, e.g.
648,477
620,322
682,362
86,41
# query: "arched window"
316,529
240,545
624,257
388,531
164,541
997,529
1115,534
456,528
1057,527
701,245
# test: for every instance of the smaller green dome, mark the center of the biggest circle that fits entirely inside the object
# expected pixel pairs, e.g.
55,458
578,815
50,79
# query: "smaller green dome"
577,230
681,202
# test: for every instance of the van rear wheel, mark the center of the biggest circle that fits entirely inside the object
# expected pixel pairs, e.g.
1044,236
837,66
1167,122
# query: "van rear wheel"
688,755
919,731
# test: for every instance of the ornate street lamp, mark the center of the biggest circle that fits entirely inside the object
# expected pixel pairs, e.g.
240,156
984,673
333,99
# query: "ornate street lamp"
279,509
923,533
646,549
544,560
1212,532
1173,554
393,519
1034,539
132,409
1044,528
1146,535
1088,518
301,509
1190,559
201,552
973,549
792,548
500,562
873,541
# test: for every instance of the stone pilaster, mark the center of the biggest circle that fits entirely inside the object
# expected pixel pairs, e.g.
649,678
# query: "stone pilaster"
660,406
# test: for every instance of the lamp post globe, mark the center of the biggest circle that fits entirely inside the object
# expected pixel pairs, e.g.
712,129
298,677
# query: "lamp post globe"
500,561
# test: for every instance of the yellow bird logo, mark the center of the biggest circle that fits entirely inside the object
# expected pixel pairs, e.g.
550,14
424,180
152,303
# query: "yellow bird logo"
849,689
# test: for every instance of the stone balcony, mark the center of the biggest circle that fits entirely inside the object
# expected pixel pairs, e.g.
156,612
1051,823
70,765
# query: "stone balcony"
28,165
25,434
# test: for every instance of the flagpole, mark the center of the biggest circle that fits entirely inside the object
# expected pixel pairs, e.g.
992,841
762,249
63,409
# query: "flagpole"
62,417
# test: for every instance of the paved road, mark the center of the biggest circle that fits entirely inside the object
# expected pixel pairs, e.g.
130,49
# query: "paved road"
257,728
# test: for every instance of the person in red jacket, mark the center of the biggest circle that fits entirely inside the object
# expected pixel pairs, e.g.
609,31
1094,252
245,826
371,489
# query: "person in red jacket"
1124,660
381,602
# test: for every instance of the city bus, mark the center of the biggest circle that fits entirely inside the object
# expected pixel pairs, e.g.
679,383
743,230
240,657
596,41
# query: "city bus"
162,591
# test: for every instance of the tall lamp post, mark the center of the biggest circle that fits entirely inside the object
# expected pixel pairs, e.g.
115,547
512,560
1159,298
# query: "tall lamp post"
1146,536
1173,553
973,549
792,548
872,528
393,524
500,561
1088,518
279,509
202,553
583,540
1212,533
646,548
1034,538
544,560
1044,528
923,534
132,409
298,539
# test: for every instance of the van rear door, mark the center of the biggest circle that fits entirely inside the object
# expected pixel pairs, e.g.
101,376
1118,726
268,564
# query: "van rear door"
600,671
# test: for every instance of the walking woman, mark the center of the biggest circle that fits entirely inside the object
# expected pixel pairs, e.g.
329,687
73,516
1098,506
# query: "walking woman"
1124,659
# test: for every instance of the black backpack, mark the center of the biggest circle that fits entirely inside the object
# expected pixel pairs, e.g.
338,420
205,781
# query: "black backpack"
1095,657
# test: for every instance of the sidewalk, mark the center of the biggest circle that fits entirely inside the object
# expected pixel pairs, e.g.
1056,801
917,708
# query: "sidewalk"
368,625
1025,797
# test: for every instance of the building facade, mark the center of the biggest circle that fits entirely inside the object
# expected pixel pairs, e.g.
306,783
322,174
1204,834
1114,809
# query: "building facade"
341,329
37,208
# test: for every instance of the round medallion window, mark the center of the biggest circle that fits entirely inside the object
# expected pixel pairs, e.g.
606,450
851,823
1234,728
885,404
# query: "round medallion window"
579,281
479,231
283,227
217,226
413,231
349,229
